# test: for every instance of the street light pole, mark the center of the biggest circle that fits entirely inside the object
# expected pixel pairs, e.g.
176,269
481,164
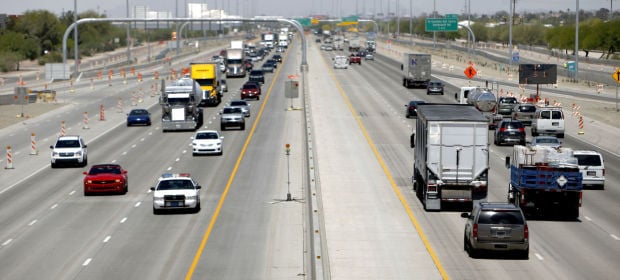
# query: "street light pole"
75,39
510,32
128,36
577,41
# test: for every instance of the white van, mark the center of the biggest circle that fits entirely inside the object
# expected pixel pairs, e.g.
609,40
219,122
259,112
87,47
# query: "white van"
548,120
592,168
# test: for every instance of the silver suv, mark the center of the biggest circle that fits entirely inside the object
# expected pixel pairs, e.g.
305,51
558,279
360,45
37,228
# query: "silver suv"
70,149
232,116
496,226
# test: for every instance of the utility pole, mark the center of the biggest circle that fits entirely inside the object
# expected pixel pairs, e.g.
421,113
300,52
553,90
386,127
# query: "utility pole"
577,41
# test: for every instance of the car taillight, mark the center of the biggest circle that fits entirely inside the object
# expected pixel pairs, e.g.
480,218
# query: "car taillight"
516,115
503,129
411,108
526,232
521,129
474,231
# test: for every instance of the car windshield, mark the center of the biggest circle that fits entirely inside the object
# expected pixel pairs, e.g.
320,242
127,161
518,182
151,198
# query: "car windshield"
232,110
207,135
508,100
529,109
513,125
256,73
175,185
138,112
547,140
105,169
68,144
250,86
500,217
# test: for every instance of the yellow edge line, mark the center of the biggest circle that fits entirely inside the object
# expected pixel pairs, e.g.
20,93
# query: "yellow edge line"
417,226
205,238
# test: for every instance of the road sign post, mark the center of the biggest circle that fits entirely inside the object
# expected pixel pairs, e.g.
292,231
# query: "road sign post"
616,76
470,72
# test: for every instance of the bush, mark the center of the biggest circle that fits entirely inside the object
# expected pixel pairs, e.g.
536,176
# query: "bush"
9,61
52,57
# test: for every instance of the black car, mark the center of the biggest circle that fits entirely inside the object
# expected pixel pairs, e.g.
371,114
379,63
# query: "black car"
277,57
435,87
257,76
412,108
509,131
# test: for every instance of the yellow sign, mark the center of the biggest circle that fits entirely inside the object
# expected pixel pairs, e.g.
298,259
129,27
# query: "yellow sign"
314,21
616,75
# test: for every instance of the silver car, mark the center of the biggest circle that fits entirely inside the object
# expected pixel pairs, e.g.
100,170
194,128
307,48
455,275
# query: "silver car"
244,105
231,116
524,113
496,226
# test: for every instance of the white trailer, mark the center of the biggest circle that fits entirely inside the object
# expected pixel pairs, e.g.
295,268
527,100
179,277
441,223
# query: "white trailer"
451,155
416,69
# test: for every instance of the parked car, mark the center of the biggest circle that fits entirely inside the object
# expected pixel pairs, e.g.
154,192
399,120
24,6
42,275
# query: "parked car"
509,131
496,226
105,178
592,168
207,142
435,87
139,116
549,141
250,90
505,104
411,110
524,112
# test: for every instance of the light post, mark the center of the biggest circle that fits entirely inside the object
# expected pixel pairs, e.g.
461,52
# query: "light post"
128,37
287,147
577,41
75,39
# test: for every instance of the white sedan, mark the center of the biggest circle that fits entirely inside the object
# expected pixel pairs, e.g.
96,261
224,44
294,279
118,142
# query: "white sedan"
207,142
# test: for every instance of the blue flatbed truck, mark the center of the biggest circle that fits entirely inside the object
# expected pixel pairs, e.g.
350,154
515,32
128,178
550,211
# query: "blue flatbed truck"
545,181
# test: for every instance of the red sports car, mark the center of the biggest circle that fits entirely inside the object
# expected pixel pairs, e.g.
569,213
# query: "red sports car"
104,178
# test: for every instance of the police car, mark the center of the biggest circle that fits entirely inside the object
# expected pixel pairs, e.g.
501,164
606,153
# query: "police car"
176,192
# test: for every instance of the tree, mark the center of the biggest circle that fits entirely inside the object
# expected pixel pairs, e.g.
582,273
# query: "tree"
43,26
18,46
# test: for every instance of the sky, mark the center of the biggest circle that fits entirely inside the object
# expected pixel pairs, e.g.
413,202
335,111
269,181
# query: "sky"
303,8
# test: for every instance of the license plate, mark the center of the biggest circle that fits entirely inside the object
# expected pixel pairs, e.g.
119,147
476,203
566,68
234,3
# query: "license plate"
555,124
591,173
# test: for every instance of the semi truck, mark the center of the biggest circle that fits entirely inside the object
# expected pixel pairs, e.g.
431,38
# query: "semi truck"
451,162
267,39
207,75
416,69
235,67
338,42
545,181
179,102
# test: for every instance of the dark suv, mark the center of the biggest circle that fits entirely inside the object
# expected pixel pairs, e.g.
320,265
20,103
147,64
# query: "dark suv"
496,226
257,76
509,131
412,108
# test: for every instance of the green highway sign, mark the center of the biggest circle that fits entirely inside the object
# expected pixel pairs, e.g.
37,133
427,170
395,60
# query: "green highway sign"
350,19
304,21
448,24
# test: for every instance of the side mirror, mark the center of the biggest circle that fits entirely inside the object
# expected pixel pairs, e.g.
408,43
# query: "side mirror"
456,96
401,67
198,187
507,162
85,173
152,188
85,146
412,140
465,215
52,146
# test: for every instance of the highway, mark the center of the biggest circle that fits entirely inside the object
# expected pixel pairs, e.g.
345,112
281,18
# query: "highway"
246,228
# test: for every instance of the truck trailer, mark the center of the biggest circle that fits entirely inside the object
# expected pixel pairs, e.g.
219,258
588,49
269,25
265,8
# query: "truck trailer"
545,181
416,70
179,102
207,75
451,155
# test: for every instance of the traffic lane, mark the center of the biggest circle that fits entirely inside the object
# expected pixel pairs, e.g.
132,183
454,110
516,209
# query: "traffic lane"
498,191
258,233
66,228
380,198
443,229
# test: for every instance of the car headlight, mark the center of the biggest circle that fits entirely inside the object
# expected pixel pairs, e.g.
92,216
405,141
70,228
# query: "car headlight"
54,154
78,153
158,199
89,181
117,180
219,144
191,197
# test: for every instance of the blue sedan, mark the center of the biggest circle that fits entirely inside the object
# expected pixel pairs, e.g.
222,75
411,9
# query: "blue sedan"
139,116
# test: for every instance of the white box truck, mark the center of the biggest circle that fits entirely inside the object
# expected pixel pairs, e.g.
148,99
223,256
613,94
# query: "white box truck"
416,69
451,155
